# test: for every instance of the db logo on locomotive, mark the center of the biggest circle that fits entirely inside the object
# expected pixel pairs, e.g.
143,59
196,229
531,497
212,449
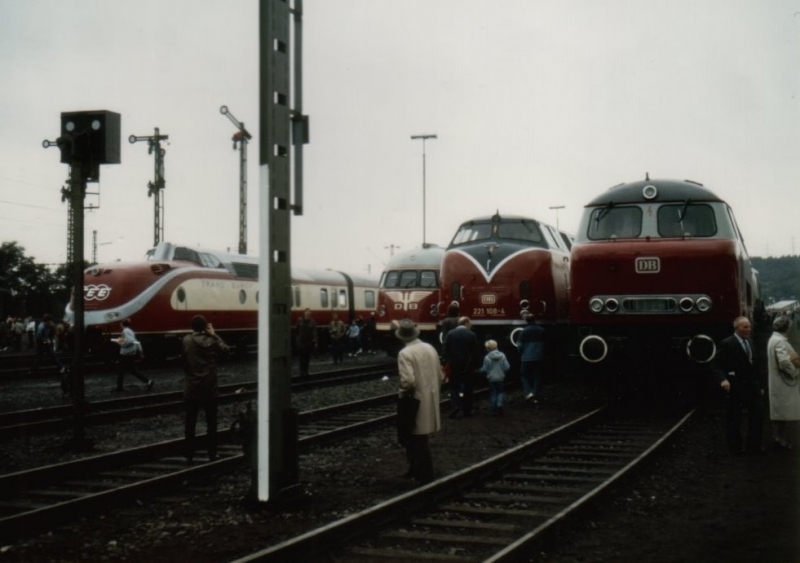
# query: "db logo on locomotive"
648,265
96,292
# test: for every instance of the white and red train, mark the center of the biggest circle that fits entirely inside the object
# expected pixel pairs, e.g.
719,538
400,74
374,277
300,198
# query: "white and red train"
659,271
409,289
162,293
499,268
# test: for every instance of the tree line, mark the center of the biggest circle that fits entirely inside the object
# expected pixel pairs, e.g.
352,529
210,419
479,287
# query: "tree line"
779,278
31,289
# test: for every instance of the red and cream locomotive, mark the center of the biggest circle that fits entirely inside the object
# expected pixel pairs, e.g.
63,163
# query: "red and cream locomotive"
163,292
500,268
659,272
409,289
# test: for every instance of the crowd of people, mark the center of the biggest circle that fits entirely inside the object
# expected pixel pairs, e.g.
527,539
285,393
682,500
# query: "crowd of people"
354,339
735,367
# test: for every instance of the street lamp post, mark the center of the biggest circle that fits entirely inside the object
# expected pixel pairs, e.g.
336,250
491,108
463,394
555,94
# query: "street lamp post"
424,138
556,208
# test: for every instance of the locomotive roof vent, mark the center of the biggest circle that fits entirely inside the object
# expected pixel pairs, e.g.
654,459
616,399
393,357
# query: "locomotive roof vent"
649,192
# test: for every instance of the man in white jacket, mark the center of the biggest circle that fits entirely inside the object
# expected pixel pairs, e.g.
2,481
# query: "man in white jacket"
421,376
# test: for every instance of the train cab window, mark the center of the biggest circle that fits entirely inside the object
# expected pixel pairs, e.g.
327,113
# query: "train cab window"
685,219
455,291
391,279
408,278
427,278
209,260
323,298
615,222
342,299
187,254
567,240
369,299
550,237
470,232
520,230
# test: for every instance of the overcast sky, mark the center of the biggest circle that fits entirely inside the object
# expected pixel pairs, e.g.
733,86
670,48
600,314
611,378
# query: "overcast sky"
536,104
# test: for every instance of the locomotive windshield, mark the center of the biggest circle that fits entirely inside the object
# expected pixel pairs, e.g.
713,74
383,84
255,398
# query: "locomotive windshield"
512,229
615,222
410,278
692,220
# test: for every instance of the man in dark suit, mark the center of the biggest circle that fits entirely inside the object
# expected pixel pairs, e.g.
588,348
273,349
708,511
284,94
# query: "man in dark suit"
735,369
463,354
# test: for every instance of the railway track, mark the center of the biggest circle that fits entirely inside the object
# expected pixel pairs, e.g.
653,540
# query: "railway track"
46,496
495,511
32,421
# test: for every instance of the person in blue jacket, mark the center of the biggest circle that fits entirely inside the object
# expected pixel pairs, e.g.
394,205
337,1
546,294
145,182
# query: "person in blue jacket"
495,367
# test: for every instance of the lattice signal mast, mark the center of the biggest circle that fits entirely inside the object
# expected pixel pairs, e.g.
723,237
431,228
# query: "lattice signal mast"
240,140
155,187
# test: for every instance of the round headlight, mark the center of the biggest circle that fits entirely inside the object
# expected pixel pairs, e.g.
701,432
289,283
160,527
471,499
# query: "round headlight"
686,304
596,305
704,304
612,305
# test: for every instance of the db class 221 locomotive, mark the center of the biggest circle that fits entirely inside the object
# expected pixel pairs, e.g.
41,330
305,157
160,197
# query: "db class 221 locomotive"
501,268
659,272
162,293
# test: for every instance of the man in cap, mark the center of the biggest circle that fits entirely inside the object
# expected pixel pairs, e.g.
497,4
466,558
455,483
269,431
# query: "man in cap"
421,376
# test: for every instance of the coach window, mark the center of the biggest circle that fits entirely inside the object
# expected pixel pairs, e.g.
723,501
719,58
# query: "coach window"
342,298
296,296
391,279
427,278
323,298
684,219
615,222
408,278
369,299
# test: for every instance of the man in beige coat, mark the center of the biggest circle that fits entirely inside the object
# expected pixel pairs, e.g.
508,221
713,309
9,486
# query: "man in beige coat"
420,375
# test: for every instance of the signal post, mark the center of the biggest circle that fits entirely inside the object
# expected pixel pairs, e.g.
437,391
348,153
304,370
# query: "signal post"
88,139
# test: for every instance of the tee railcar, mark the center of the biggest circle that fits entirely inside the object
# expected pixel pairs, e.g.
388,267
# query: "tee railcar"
409,289
501,268
162,293
659,271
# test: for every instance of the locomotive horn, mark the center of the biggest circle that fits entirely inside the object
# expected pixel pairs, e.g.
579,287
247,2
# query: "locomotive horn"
593,349
701,348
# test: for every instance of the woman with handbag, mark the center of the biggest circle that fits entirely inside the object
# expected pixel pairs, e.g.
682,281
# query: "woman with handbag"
784,386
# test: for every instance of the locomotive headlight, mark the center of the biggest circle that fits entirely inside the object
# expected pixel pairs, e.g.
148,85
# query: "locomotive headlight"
612,305
704,304
596,305
686,304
